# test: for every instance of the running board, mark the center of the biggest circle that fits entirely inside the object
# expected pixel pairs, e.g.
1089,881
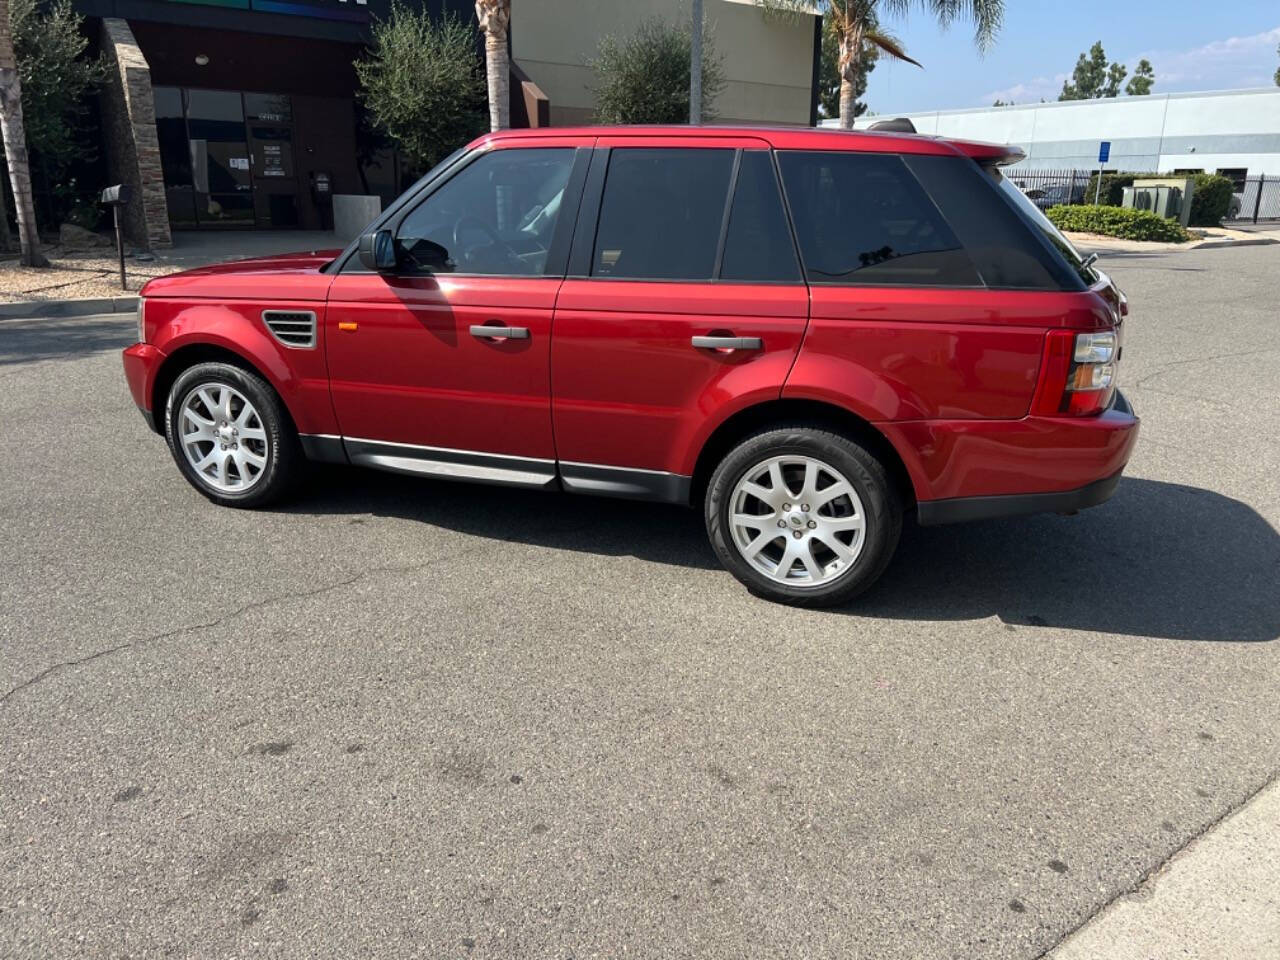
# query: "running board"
445,464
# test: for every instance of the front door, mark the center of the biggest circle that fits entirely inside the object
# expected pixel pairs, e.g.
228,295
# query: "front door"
442,366
684,303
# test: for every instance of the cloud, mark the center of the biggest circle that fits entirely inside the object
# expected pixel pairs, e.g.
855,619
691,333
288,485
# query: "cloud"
1223,64
1029,92
1230,64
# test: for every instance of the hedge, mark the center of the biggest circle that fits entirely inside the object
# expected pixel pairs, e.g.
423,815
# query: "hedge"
1210,200
1117,222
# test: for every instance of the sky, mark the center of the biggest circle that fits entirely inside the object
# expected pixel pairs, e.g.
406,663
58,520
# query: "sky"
1192,45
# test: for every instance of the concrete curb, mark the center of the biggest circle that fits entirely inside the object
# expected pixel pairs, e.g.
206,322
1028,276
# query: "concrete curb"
1220,244
34,309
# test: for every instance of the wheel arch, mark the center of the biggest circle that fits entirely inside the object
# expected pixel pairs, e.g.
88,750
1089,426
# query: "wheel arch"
792,410
191,354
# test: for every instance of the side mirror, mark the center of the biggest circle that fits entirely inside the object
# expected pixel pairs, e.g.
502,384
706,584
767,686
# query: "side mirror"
377,251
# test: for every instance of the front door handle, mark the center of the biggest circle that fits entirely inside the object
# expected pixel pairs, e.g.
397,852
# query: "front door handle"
728,343
487,331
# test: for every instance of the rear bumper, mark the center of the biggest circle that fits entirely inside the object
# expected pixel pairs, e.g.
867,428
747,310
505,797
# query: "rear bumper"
979,470
141,363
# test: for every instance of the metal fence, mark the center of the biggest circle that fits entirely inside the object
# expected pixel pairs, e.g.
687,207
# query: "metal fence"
1050,188
1259,200
1255,198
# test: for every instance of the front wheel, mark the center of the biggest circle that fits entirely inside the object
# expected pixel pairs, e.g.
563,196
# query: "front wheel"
803,516
230,435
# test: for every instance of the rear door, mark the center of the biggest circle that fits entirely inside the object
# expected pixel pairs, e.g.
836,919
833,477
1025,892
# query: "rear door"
684,303
418,381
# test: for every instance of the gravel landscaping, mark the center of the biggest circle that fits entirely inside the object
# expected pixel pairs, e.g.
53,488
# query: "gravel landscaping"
76,276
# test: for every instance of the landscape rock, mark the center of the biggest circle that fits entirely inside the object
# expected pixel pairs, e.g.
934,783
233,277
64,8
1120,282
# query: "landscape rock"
73,237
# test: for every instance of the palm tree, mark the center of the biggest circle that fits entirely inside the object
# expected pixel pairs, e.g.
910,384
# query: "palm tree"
15,145
856,23
695,65
494,17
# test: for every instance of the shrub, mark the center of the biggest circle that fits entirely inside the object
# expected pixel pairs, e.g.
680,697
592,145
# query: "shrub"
645,77
1117,222
423,84
1209,201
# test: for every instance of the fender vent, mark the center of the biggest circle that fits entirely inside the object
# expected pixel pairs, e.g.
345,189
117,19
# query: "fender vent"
293,328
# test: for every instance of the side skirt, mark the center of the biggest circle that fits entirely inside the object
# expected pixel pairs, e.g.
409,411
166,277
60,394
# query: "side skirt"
446,464
469,465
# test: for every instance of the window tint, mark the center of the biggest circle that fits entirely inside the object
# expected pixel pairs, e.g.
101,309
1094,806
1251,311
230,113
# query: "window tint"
1006,253
496,216
863,218
758,245
661,214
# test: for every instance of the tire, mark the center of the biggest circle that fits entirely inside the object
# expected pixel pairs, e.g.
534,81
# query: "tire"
261,457
834,572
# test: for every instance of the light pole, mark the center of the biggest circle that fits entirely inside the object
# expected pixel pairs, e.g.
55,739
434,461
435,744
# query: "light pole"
695,65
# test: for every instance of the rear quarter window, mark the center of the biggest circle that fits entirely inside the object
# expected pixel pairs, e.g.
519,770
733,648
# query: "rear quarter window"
1003,245
863,218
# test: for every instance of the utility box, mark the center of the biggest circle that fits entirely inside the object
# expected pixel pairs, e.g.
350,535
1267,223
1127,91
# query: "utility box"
1167,196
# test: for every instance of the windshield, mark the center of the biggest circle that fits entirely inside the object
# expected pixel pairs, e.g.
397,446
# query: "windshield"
1036,218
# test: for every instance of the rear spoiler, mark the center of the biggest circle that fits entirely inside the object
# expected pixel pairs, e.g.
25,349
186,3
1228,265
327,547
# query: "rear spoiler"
987,154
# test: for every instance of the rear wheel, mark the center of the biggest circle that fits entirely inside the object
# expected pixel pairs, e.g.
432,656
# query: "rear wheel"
230,436
803,516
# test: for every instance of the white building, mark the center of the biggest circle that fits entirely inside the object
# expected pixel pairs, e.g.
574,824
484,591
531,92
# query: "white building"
1236,132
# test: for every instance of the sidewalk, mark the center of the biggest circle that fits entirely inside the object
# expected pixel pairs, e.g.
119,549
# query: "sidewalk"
1217,899
94,274
1218,237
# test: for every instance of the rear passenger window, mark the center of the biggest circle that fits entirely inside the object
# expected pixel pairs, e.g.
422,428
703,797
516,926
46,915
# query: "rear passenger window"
1007,255
863,218
758,243
661,213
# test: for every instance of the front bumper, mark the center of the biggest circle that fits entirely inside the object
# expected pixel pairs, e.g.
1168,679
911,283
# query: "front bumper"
1016,468
141,364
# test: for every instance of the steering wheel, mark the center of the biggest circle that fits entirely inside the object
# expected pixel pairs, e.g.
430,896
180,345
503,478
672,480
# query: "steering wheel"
466,220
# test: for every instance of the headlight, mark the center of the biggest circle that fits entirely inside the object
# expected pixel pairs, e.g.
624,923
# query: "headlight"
142,329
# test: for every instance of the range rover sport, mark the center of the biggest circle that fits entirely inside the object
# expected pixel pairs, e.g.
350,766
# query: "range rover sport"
803,333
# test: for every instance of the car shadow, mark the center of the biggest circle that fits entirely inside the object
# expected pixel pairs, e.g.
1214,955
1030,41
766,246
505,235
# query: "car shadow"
1159,560
30,341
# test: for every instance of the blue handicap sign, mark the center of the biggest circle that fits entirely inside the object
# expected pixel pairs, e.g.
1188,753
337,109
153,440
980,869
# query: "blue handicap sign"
1104,151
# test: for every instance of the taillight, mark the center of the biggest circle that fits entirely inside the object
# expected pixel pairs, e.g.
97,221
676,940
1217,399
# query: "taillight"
142,320
1077,373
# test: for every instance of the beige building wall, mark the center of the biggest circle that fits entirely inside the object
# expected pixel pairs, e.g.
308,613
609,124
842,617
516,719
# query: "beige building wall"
768,62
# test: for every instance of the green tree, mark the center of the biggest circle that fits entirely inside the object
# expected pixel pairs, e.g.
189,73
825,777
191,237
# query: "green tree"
45,80
856,24
829,74
1277,77
1115,76
1094,78
645,78
1143,79
423,83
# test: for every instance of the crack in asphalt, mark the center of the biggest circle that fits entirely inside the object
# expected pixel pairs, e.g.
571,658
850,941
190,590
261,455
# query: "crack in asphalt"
1166,367
189,628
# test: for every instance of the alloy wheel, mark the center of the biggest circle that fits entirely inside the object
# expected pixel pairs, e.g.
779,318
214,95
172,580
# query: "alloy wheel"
797,520
223,437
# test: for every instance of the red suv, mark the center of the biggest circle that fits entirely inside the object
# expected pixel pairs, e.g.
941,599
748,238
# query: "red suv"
805,332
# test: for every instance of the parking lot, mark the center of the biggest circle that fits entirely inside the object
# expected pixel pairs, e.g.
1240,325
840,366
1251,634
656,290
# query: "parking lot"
408,718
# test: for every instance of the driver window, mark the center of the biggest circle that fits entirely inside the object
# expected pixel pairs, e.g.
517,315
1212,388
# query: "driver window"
497,216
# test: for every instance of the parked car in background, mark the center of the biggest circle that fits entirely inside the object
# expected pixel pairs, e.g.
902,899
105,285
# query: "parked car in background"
803,333
1056,194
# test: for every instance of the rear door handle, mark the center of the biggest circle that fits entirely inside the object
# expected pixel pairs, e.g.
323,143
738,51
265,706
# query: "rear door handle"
728,343
493,332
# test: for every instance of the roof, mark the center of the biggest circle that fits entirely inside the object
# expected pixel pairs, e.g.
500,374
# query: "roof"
782,138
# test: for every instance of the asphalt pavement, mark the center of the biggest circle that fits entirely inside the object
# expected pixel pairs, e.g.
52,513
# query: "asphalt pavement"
405,718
